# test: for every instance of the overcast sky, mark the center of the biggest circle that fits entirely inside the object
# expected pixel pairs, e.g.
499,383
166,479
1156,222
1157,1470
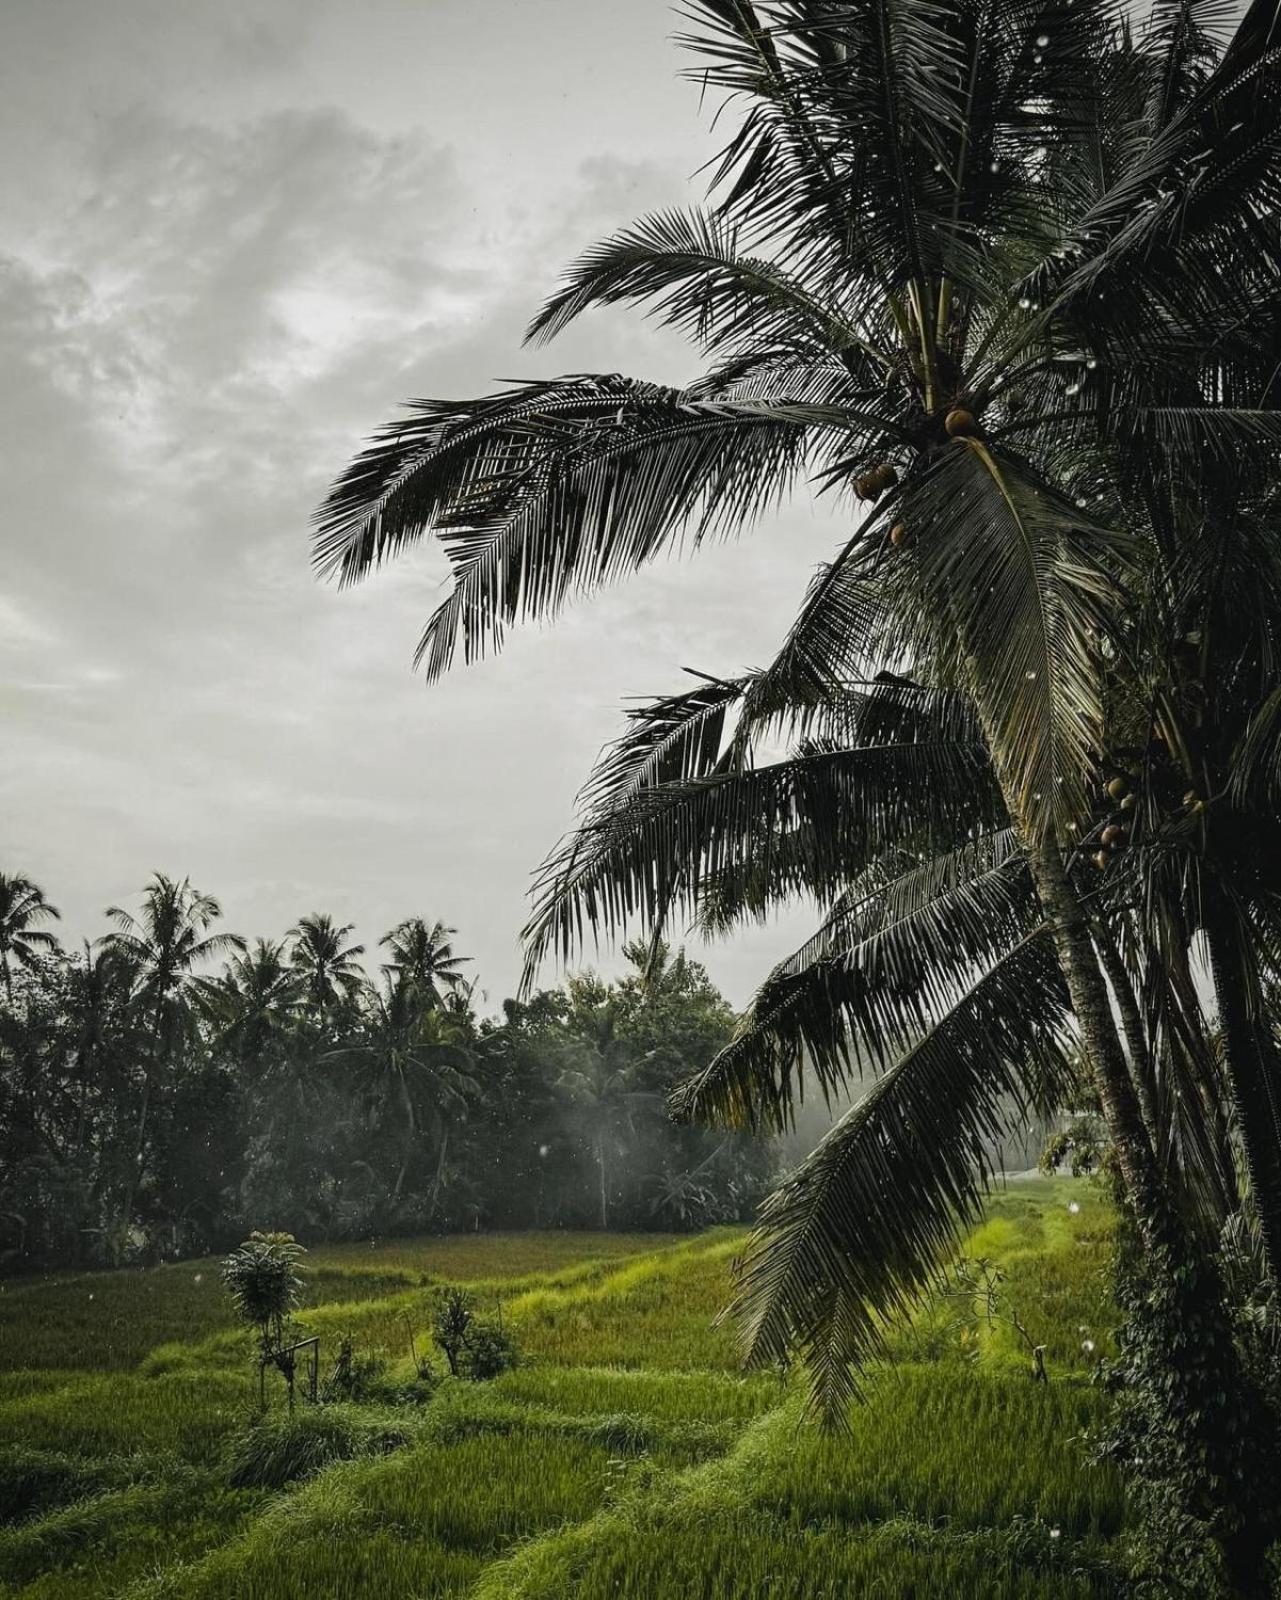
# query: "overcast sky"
234,236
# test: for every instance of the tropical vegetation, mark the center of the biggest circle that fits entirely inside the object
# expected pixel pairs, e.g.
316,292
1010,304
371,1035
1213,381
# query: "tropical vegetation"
1003,278
625,1455
171,1087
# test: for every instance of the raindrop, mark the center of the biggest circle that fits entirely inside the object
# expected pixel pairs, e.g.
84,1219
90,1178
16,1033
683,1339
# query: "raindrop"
1088,1346
1074,1206
1025,304
1030,676
1042,39
994,166
1036,60
1092,363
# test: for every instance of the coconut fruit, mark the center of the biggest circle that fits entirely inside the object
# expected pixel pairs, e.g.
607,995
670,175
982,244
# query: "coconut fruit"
958,422
883,477
1101,859
1191,798
898,534
1127,802
1113,834
1117,788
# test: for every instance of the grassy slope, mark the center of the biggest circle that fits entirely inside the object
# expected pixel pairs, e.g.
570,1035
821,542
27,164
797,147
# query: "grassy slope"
628,1459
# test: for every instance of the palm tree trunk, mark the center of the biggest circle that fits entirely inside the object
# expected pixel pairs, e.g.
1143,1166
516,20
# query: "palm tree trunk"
1142,1068
604,1195
1252,1075
140,1138
439,1177
407,1102
1136,1157
1203,1391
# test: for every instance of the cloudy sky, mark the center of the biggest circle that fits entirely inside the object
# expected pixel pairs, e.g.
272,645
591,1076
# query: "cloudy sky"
234,236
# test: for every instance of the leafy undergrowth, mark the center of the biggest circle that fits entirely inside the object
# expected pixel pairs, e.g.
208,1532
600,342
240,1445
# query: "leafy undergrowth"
626,1458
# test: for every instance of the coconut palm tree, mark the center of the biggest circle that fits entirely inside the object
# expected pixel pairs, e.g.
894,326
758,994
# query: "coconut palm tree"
328,967
418,1057
962,266
424,955
897,289
162,946
253,1002
601,1077
22,906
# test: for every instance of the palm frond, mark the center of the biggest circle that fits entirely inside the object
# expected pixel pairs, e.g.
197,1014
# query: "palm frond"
891,955
854,1236
556,488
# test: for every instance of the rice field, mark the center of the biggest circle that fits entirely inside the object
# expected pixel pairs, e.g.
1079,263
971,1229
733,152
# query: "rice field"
626,1457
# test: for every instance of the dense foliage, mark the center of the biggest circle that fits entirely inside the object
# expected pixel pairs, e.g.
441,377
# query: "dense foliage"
151,1104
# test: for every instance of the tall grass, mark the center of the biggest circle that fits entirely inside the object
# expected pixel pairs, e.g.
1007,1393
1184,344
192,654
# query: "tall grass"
627,1458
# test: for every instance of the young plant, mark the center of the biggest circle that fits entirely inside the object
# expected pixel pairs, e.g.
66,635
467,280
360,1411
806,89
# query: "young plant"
263,1278
474,1346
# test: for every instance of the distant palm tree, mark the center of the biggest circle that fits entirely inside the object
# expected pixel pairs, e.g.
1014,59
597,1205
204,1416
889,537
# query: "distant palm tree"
424,955
329,968
163,945
22,905
420,1057
602,1080
252,1002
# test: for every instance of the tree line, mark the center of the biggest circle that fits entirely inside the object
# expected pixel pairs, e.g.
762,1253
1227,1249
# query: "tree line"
170,1086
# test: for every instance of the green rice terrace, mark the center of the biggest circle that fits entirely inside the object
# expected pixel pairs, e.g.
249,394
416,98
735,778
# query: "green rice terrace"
626,1456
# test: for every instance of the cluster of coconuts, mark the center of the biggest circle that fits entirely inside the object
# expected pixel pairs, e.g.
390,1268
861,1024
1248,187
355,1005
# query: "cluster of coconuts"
957,424
1116,834
872,485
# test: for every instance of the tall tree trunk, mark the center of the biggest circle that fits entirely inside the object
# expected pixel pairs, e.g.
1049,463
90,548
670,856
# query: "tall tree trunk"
1182,1325
1136,1157
439,1176
1252,1069
600,1170
407,1105
1142,1066
140,1138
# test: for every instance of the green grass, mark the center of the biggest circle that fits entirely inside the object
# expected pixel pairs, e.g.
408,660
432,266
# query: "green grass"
626,1458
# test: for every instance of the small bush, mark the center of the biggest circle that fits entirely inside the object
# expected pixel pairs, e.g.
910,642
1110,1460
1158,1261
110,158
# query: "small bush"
474,1346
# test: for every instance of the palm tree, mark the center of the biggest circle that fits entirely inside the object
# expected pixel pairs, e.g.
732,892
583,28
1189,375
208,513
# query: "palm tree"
253,1001
329,968
162,946
425,956
897,288
22,906
1000,274
602,1079
417,1055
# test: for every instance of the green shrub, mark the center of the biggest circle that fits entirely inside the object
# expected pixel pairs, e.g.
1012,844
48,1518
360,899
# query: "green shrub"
475,1346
